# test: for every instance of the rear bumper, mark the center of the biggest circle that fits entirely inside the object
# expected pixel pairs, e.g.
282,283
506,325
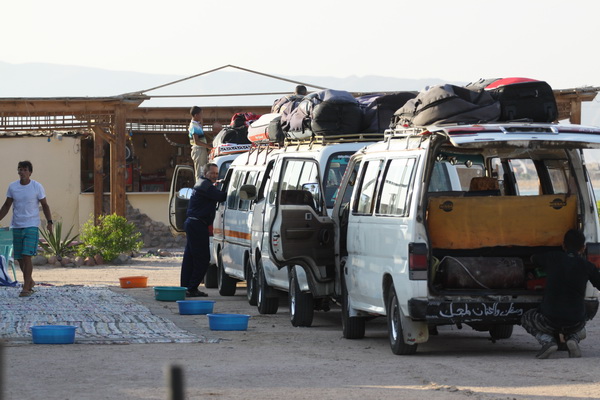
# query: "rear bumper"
452,312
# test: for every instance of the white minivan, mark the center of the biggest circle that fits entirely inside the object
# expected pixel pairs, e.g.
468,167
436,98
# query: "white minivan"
262,186
436,226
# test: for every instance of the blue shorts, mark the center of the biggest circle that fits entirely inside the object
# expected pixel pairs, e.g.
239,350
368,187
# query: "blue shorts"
25,242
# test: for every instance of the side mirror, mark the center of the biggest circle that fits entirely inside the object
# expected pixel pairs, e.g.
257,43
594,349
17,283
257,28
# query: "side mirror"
313,188
185,193
248,192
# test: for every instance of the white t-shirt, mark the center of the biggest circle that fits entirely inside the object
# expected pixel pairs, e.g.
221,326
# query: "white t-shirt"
26,209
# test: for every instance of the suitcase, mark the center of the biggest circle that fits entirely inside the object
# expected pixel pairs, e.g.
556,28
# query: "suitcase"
378,109
258,131
522,98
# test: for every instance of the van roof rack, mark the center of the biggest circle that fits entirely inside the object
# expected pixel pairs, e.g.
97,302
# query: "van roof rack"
345,138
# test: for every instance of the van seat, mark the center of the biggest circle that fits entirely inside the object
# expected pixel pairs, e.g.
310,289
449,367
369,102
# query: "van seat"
297,197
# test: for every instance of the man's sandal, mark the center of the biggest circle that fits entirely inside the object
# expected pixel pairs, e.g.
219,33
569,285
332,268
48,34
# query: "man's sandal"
26,293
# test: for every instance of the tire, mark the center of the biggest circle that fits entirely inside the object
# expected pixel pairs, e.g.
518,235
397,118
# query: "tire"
352,327
265,304
501,331
251,289
211,280
302,308
394,320
226,284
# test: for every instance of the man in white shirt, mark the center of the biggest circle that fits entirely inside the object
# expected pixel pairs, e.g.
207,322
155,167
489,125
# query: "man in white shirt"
25,195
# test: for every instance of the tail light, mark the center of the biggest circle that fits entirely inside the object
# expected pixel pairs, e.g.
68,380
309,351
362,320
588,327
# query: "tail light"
417,261
593,253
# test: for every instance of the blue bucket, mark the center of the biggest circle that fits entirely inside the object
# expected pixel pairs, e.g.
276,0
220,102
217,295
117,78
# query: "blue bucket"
53,334
195,307
228,322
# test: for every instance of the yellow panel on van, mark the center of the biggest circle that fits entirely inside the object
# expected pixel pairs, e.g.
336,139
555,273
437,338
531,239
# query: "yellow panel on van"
474,222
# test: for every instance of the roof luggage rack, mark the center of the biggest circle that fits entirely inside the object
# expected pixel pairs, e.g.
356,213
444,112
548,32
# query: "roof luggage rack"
330,139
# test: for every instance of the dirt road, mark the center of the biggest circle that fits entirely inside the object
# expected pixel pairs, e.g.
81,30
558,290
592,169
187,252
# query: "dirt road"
273,360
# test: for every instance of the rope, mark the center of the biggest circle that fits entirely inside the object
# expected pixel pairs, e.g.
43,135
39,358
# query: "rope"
220,68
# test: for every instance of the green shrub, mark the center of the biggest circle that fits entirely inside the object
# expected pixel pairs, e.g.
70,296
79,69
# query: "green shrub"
112,236
53,243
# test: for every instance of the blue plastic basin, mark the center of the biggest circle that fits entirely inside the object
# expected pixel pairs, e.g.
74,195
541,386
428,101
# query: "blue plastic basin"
53,334
228,322
195,307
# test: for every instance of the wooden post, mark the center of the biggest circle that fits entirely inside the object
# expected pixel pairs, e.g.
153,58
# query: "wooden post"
98,176
117,163
575,117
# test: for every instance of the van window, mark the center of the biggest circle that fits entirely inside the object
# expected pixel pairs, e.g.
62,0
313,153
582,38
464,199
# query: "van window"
519,176
364,201
559,174
251,180
347,195
232,190
223,169
394,199
334,171
301,176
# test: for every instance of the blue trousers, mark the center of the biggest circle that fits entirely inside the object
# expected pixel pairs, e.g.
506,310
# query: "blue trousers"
196,256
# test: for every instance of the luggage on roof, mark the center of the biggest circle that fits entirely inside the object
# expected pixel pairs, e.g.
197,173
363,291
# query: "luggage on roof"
265,129
521,98
378,109
327,112
447,104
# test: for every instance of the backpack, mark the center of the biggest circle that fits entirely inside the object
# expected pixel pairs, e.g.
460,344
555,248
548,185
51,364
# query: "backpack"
442,104
521,98
282,103
247,117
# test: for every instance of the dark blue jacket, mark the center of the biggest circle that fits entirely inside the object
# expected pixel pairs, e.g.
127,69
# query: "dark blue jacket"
564,295
203,203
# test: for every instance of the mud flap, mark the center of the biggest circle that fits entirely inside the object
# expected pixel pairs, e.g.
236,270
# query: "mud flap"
414,331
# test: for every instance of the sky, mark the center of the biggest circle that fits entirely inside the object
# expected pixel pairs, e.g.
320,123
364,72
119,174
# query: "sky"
457,40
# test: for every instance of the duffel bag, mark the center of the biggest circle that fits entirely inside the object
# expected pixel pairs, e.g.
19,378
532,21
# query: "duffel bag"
442,104
378,109
327,112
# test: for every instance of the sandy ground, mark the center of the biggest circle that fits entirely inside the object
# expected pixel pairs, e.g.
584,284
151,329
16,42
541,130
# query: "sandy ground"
274,360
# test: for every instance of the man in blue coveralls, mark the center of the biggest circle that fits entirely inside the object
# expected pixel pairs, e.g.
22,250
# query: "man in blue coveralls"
200,215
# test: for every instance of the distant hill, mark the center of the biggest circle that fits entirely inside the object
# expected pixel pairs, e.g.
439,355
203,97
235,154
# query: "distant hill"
51,80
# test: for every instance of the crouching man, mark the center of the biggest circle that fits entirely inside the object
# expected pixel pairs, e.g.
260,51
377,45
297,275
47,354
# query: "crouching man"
562,310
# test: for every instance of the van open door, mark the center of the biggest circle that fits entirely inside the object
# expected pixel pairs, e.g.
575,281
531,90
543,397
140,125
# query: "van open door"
179,195
301,232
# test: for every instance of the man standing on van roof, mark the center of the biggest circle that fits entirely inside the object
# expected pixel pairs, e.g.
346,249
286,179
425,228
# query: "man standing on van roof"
200,146
200,215
562,310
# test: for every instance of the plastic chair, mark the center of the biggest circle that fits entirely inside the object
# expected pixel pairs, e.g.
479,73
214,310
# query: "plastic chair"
6,248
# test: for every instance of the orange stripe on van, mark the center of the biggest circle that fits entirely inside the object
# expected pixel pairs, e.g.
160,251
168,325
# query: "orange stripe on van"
238,235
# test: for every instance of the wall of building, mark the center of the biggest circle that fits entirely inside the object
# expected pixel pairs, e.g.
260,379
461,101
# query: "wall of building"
56,165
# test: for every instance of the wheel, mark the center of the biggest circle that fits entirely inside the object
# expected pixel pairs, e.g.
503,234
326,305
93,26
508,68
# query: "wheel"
302,308
265,304
226,284
211,280
352,327
251,290
394,320
501,331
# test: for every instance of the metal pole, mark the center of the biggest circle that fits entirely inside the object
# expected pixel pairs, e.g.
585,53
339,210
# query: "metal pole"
175,382
1,371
